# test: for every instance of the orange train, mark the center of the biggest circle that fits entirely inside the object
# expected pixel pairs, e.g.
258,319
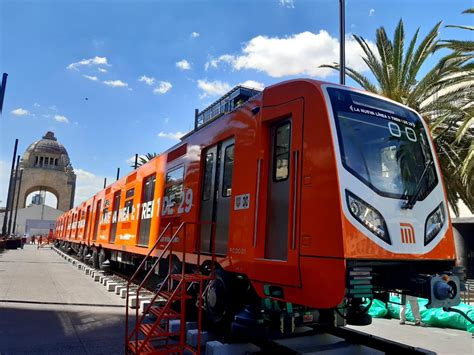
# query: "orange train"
322,196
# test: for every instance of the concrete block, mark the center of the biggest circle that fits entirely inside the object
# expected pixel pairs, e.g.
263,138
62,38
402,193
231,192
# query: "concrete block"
174,325
87,271
123,293
217,348
192,337
101,279
118,288
96,277
133,301
111,286
144,304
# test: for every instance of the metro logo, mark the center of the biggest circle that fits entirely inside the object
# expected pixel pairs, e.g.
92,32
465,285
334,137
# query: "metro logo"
407,233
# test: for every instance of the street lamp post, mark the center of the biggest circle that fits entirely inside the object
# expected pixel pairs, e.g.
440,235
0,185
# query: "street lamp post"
342,49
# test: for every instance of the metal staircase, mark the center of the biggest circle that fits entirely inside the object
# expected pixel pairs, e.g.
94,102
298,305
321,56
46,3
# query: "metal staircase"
168,303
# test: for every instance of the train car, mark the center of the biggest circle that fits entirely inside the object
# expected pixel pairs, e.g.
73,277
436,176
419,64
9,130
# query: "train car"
322,196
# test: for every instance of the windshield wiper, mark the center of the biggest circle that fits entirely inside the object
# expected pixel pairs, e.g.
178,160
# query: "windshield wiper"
408,205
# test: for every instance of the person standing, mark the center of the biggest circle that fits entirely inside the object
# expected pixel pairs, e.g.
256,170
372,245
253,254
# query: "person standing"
415,309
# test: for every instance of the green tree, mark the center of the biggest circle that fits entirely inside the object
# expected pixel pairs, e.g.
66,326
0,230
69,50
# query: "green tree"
443,96
143,159
467,48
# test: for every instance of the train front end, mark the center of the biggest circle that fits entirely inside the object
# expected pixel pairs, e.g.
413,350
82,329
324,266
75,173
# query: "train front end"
395,221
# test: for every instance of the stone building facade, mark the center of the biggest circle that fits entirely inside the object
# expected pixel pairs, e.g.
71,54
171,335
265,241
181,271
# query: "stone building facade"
45,166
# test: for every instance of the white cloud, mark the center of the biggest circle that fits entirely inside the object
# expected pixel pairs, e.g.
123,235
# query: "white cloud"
213,63
371,12
20,112
36,104
183,65
147,80
194,35
93,78
253,84
53,107
115,83
102,70
166,120
289,4
213,88
171,135
88,62
88,184
60,118
299,54
163,87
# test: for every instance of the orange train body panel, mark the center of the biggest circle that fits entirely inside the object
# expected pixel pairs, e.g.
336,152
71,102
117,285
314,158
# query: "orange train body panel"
320,233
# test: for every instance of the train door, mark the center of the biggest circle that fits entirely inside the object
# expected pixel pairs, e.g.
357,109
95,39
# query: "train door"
86,224
115,212
96,221
278,196
146,210
277,239
216,195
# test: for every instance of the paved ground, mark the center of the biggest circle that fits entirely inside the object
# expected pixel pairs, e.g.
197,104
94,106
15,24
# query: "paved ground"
49,307
439,340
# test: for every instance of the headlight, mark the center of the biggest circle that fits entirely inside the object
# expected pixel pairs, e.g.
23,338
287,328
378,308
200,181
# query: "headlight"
368,216
434,223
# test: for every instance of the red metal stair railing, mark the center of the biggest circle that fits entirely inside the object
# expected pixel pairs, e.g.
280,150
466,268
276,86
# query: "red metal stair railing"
134,276
173,288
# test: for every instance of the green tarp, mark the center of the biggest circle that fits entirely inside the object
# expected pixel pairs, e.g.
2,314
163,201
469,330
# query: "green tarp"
435,317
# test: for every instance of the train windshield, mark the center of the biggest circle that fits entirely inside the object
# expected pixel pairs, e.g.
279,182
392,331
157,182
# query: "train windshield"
384,145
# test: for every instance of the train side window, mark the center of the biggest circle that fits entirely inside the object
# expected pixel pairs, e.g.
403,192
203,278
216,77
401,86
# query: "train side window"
206,194
174,185
281,152
228,168
146,210
129,206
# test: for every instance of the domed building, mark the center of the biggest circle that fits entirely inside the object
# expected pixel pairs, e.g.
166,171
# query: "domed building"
45,166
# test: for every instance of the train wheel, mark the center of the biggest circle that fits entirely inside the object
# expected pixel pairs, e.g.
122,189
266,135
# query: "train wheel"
218,300
357,313
79,253
95,259
104,261
85,252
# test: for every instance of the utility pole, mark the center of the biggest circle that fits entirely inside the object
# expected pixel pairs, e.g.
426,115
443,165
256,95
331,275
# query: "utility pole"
118,173
342,40
13,195
17,200
9,196
2,91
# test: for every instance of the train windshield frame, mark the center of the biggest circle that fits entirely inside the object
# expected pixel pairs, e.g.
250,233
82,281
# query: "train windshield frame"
382,144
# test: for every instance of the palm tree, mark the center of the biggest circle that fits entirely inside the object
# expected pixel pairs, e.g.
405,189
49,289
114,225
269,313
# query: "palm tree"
443,96
143,159
466,47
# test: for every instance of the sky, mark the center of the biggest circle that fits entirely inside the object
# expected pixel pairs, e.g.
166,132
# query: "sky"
115,78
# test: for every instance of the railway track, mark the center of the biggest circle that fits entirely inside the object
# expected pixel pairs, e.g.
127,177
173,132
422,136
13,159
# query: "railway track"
304,340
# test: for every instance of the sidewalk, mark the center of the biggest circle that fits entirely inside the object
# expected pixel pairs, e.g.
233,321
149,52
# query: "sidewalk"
49,307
